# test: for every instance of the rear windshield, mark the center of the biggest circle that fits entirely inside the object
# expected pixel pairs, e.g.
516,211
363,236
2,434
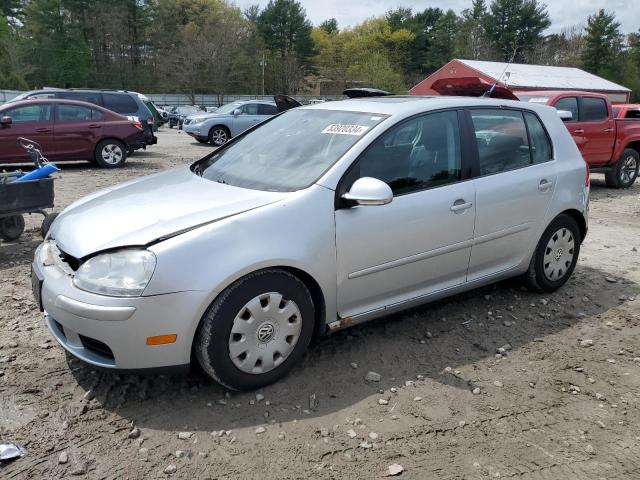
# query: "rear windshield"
290,152
120,103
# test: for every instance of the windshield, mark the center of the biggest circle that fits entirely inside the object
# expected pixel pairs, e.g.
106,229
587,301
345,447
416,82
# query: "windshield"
229,107
289,152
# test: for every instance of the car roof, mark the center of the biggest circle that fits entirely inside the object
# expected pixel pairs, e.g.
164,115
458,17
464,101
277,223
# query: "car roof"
409,105
553,93
57,101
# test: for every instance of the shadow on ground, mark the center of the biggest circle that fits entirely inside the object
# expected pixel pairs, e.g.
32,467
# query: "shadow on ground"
454,332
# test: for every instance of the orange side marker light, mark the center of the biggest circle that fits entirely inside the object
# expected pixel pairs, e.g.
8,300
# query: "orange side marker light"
162,339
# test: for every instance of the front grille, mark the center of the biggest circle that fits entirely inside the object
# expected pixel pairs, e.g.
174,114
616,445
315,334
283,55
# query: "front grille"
96,347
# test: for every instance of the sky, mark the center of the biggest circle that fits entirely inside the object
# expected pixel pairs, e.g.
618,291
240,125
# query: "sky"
564,13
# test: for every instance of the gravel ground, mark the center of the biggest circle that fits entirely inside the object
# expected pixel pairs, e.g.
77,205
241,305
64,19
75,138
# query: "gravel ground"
560,401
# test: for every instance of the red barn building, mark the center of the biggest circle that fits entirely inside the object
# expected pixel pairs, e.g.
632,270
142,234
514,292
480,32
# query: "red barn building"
519,77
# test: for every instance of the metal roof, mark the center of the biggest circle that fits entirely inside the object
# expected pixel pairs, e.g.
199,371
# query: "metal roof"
540,76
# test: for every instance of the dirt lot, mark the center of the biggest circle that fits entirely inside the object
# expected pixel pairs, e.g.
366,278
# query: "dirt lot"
561,403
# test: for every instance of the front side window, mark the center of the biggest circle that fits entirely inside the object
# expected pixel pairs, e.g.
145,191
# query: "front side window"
502,140
421,153
30,114
540,146
594,109
73,113
249,109
569,104
289,152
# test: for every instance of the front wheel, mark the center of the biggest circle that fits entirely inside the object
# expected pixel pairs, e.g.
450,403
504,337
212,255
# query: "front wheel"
625,172
556,255
256,331
110,153
218,136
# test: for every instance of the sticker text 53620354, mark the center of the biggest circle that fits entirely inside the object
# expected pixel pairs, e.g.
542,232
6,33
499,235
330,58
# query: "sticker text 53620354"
345,129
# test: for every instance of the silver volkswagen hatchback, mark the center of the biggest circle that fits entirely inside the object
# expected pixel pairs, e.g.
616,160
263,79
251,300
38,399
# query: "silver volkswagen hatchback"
322,217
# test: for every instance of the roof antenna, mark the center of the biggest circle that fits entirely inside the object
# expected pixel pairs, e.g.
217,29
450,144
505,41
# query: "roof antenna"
489,92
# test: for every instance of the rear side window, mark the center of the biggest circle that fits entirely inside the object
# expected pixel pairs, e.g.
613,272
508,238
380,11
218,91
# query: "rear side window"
120,103
540,146
632,114
569,104
73,113
266,109
421,153
30,114
90,97
502,140
594,109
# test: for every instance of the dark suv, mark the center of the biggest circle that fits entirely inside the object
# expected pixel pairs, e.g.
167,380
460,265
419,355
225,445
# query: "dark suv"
119,101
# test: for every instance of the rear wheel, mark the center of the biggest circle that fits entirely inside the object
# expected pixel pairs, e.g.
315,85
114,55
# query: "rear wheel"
110,153
219,135
625,172
256,330
556,255
11,227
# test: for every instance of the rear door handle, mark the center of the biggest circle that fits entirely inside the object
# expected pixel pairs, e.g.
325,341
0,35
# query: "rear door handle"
43,130
544,185
460,206
94,125
579,130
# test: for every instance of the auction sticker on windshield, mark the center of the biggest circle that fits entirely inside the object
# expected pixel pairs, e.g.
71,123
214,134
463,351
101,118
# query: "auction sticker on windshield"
346,129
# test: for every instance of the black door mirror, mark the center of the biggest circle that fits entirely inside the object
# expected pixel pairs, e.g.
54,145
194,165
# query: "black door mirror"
6,121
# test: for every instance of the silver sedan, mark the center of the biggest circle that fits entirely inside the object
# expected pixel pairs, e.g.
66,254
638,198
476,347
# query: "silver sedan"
322,217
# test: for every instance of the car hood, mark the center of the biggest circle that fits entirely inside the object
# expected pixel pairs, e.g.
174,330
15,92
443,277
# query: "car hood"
145,210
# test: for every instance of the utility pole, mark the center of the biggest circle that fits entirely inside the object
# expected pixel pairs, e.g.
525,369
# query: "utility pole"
263,63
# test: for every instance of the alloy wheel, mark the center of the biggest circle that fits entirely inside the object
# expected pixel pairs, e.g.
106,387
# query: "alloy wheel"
558,255
264,333
219,137
628,170
112,154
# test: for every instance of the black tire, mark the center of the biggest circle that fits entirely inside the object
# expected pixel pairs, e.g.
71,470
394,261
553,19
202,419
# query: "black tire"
219,135
211,344
625,171
536,278
46,224
202,140
11,227
118,153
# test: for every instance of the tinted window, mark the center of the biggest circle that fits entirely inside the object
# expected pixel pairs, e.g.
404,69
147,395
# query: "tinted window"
120,103
421,153
632,114
569,104
91,97
266,109
73,113
30,113
249,109
540,145
288,152
594,109
502,140
96,115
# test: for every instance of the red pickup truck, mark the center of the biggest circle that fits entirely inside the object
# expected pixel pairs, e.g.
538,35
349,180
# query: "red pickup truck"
609,145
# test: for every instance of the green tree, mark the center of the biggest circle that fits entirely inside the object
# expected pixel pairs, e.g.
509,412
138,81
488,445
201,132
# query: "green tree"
286,32
330,26
472,36
603,44
515,27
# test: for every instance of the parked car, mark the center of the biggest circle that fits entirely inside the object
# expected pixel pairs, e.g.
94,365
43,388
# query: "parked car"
68,130
608,144
320,218
118,101
164,115
230,120
627,111
178,114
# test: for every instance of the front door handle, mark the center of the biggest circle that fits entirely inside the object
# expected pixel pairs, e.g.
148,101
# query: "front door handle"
544,185
579,131
94,125
608,130
460,206
43,130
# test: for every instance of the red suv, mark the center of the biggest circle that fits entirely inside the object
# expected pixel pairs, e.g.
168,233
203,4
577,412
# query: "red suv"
68,130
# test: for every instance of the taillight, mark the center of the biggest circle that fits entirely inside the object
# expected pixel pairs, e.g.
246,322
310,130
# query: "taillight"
150,121
137,124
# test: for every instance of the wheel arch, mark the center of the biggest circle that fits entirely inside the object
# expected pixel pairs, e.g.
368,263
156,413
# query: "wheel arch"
219,125
580,220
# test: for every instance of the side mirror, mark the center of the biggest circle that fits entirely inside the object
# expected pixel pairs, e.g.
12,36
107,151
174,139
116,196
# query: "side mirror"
369,191
6,121
565,115
237,112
